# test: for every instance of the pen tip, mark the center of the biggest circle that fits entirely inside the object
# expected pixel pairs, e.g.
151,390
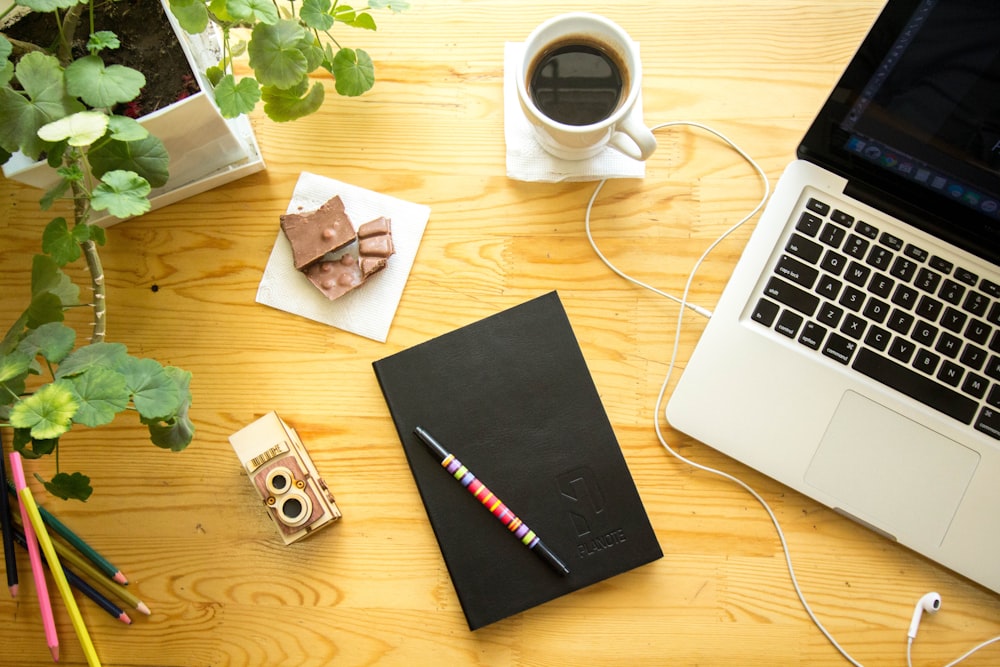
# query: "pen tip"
120,578
125,618
13,591
143,608
55,653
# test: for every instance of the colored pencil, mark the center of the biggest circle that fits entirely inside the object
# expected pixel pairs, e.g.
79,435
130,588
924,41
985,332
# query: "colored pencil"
78,542
35,558
62,584
85,567
80,584
10,562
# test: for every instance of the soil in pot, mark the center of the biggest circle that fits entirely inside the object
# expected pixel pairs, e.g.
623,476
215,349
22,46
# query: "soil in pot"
148,44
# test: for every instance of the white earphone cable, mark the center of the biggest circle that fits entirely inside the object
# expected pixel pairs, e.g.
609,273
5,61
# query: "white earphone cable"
684,304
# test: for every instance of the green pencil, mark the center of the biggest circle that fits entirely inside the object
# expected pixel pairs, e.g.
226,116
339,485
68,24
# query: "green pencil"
102,563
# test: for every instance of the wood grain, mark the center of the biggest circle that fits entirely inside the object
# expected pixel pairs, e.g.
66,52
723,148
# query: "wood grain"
373,589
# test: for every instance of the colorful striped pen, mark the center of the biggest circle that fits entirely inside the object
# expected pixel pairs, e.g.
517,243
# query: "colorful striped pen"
465,477
10,562
28,502
35,557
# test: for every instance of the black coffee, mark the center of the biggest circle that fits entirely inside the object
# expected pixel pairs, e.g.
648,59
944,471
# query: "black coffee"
576,84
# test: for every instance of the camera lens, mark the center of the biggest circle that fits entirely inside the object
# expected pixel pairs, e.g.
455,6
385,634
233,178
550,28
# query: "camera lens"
294,508
279,480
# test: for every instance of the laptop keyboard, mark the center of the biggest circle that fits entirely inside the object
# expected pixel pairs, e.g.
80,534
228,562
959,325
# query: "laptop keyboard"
908,317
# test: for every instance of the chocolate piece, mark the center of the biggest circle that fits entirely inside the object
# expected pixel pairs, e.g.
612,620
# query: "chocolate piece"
375,245
318,232
337,277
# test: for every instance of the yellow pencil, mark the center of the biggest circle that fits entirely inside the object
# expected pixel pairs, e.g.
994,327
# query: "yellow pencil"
28,501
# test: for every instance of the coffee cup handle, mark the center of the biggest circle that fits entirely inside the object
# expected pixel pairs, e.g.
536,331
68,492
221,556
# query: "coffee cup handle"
633,138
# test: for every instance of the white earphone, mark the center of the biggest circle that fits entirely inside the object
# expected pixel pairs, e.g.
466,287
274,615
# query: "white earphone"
931,603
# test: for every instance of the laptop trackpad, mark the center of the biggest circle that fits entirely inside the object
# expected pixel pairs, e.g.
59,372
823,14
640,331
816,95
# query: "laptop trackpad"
890,471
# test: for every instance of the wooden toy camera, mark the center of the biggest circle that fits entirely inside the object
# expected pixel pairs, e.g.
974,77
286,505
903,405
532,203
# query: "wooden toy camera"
296,497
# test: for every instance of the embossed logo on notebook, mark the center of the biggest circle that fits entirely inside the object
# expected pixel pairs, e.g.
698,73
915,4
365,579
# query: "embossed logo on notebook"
581,493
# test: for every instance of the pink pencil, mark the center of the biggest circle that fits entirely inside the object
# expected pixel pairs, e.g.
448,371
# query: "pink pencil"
42,589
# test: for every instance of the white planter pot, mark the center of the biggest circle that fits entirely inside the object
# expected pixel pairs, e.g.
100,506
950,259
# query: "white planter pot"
206,150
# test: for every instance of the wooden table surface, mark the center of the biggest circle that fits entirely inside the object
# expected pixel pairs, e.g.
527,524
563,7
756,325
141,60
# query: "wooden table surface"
373,589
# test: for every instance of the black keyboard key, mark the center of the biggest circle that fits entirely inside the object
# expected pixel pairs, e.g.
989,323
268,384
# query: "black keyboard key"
948,345
993,398
791,296
900,322
857,274
830,315
867,230
924,333
951,292
803,248
926,362
876,310
881,258
893,242
765,312
903,268
966,276
842,218
856,246
995,342
905,297
812,335
993,368
915,252
828,287
833,262
988,422
994,316
818,206
940,264
927,280
881,285
990,288
788,324
976,303
854,327
929,308
975,385
878,338
902,349
797,272
808,224
950,373
852,298
915,385
978,331
832,235
839,348
974,357
953,320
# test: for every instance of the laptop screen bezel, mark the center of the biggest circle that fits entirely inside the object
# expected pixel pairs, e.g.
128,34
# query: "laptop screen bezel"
823,144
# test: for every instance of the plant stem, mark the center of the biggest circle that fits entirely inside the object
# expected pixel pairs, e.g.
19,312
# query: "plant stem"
81,213
67,31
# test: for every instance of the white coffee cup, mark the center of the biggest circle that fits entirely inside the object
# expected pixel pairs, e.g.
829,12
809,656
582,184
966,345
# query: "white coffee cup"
623,128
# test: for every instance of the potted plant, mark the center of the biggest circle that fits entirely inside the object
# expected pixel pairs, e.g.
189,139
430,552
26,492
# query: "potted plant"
287,44
207,150
104,162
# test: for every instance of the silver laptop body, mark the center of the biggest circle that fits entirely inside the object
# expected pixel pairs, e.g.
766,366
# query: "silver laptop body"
855,352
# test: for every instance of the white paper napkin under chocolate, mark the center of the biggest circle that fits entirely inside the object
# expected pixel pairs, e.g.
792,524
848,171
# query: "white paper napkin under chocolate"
368,309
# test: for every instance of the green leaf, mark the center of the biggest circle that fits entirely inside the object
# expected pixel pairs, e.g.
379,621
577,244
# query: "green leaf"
6,73
122,194
101,393
218,8
316,14
80,129
46,276
147,157
50,197
354,71
59,243
54,341
191,14
395,6
286,105
235,99
96,355
6,48
31,448
123,128
365,21
276,54
103,86
14,365
176,432
70,487
154,391
43,100
257,10
49,5
48,412
45,308
103,39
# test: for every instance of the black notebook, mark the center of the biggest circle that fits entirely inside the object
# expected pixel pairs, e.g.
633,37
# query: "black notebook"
511,397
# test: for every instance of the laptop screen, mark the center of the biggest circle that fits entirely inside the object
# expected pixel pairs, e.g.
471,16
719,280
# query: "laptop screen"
914,123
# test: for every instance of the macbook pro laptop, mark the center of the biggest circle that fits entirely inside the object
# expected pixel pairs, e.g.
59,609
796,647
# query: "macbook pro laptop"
855,353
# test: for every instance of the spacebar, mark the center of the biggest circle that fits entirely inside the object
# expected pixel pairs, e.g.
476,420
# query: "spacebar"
915,385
